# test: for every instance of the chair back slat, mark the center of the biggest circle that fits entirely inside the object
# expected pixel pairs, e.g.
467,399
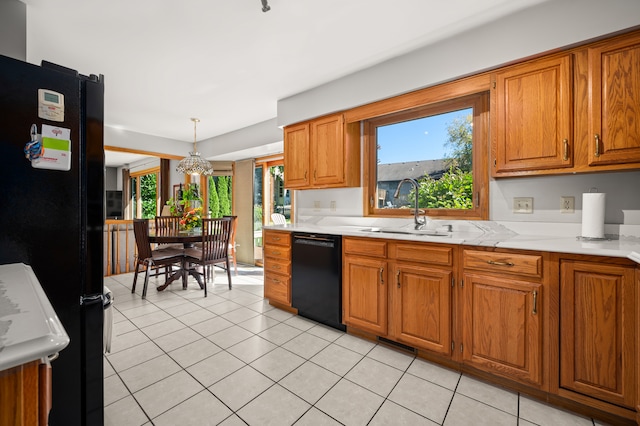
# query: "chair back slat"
234,227
167,225
141,233
215,238
278,219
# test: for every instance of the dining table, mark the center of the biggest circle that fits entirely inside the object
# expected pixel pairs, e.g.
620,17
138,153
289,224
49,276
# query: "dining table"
188,239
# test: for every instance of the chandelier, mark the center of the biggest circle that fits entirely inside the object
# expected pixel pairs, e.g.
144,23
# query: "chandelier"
194,164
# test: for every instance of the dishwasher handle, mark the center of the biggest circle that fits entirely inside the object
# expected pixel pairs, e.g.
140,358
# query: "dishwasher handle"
314,240
312,237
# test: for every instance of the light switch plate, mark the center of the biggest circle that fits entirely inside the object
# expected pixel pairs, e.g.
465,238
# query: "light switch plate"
523,205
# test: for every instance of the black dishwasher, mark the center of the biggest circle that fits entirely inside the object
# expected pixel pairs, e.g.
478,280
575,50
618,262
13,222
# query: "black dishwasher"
316,277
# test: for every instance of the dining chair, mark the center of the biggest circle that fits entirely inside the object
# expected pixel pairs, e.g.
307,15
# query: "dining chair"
214,249
278,219
232,242
151,259
168,225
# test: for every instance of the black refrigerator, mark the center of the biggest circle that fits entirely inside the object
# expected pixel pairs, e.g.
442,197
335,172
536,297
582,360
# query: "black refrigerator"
52,215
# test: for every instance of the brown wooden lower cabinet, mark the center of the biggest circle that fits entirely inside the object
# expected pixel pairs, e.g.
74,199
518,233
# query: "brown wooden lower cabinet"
277,266
420,306
364,294
598,331
502,326
25,394
565,328
399,290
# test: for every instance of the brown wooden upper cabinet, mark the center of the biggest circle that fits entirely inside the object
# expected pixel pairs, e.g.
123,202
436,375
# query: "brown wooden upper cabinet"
296,156
532,116
322,153
614,108
568,113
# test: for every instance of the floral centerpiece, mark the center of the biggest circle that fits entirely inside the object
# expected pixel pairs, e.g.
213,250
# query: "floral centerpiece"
191,219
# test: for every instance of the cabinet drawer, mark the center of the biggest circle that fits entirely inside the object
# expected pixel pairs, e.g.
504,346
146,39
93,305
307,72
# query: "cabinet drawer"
278,252
365,246
278,266
504,263
277,288
276,237
421,253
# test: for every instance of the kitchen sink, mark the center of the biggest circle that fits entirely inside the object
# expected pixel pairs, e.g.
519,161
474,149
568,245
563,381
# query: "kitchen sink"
425,232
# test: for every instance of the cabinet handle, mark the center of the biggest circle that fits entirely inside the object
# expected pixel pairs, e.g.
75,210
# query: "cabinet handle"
276,238
315,175
597,138
492,262
277,253
535,302
381,277
565,154
398,278
275,267
275,280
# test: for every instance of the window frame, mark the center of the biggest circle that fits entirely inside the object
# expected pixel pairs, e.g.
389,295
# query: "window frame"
136,205
480,104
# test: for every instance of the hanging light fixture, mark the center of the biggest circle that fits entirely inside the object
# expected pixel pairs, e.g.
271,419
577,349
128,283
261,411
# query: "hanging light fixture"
194,164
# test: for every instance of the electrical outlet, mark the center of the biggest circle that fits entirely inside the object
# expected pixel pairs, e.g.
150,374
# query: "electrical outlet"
523,205
567,204
332,206
316,205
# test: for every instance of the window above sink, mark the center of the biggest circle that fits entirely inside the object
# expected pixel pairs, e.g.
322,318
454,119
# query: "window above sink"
442,145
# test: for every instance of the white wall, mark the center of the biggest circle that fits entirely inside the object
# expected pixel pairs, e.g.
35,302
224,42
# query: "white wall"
540,28
13,29
111,179
623,197
140,141
260,139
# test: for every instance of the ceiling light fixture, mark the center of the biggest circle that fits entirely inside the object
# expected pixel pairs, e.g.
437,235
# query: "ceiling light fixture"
194,164
265,6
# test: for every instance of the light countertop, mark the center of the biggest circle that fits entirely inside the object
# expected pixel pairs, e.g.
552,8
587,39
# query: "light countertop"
29,327
621,241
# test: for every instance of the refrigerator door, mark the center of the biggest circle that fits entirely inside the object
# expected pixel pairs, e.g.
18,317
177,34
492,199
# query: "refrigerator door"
52,220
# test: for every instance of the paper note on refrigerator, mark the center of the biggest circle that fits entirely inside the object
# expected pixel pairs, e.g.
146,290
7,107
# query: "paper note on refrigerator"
56,142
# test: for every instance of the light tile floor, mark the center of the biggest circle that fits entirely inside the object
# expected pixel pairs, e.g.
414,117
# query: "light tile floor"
232,359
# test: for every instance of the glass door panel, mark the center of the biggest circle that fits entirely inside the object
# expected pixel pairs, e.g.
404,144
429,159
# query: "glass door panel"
257,213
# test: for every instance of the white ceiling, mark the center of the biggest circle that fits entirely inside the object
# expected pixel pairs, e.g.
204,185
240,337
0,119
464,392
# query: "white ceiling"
227,62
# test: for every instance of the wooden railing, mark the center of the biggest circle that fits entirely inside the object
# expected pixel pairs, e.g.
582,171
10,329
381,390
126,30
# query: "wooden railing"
119,247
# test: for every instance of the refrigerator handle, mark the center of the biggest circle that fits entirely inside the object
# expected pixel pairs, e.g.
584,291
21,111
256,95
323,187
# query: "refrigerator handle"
91,299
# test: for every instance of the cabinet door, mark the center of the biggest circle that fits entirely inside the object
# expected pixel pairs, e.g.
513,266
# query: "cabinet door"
502,326
296,156
277,288
364,294
614,69
533,116
597,331
327,151
24,395
421,307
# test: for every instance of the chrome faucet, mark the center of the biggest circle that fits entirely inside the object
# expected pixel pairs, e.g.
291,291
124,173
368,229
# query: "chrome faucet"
419,222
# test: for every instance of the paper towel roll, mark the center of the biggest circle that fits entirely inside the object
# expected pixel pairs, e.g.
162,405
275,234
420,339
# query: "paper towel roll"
593,204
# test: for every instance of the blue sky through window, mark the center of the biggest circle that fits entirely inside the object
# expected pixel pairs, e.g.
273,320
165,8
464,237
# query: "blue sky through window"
415,140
